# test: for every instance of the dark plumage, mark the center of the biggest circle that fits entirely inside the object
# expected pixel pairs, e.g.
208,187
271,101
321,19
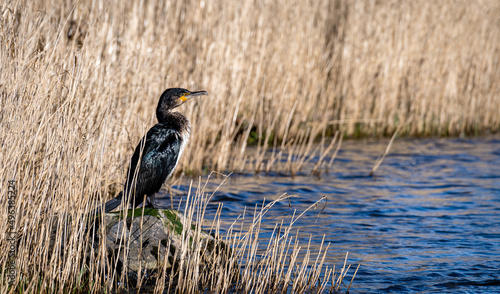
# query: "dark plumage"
158,153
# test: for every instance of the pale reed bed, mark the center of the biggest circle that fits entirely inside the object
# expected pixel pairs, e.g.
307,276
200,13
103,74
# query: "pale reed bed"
79,83
276,72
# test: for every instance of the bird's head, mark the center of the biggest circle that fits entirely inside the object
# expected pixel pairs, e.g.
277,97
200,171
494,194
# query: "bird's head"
174,97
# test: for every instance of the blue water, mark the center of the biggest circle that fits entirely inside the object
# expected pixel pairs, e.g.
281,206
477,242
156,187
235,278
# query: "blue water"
427,222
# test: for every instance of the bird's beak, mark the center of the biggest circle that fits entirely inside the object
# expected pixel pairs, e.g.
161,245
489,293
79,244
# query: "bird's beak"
190,95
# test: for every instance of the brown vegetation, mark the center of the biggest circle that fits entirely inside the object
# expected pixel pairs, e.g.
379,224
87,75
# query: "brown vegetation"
277,72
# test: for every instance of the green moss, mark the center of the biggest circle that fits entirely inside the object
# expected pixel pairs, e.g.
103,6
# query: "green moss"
174,220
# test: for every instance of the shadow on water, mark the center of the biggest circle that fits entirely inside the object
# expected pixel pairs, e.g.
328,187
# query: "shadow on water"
428,221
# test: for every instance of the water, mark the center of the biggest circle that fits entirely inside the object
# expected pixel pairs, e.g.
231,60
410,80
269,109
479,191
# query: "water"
428,222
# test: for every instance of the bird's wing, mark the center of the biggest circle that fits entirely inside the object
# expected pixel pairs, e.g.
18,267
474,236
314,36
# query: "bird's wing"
157,160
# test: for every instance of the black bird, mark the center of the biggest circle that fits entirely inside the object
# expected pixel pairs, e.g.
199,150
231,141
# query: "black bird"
158,153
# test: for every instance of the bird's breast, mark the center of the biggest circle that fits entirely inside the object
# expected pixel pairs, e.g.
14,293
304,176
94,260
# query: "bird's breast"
185,137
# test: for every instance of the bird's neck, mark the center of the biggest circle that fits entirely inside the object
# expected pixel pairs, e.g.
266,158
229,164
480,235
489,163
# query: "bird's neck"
174,120
162,115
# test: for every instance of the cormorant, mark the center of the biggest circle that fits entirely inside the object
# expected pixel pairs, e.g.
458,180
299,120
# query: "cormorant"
158,153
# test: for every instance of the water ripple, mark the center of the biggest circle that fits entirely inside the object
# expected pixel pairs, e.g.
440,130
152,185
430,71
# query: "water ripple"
429,221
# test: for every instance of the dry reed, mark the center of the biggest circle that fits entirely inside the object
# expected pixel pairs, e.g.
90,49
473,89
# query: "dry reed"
277,72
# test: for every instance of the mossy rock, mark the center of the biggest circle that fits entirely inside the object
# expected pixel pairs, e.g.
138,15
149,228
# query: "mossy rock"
149,238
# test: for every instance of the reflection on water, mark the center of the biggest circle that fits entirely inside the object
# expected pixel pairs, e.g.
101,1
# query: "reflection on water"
429,221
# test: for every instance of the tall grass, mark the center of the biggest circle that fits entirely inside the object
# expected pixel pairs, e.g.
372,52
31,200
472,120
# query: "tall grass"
59,256
79,83
278,72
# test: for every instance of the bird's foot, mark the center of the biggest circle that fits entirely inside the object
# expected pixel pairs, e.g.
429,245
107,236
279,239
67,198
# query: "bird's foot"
152,202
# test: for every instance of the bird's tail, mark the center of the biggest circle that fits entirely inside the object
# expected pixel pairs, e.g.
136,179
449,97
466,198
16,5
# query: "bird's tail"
113,203
109,206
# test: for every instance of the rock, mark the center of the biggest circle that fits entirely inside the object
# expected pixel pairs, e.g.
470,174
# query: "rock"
146,248
148,244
